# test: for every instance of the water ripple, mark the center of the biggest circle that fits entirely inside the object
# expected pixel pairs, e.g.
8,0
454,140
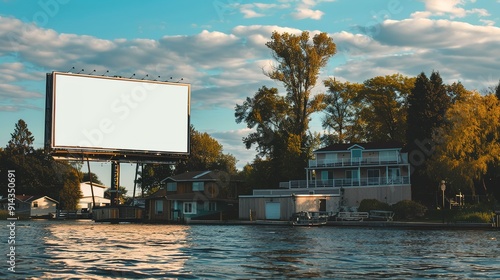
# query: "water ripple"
86,250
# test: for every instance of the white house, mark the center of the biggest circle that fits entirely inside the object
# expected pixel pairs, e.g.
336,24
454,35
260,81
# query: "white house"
33,205
86,200
340,176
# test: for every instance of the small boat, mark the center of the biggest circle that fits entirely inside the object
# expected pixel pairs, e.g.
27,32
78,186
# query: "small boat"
305,218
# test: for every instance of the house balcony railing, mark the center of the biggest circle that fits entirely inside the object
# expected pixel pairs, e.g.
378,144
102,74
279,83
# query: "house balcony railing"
346,182
347,162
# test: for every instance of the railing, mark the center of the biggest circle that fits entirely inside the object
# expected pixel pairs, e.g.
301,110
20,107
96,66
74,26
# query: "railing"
346,182
354,162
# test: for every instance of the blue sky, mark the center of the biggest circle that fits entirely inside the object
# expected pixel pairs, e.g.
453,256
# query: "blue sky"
219,48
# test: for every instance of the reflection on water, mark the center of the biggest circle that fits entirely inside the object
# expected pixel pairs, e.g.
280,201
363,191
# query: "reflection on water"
83,249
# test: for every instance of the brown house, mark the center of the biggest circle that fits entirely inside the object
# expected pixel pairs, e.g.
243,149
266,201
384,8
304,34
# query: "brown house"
197,195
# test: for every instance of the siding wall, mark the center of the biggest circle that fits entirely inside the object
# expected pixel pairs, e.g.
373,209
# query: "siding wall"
45,207
303,203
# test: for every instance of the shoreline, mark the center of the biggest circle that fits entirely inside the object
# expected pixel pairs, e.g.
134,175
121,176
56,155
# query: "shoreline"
361,224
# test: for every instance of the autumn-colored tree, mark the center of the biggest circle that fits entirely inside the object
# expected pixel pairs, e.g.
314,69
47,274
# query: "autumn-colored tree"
469,142
385,109
342,112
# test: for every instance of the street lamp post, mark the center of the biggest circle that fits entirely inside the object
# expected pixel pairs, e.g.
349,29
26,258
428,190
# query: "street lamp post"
443,188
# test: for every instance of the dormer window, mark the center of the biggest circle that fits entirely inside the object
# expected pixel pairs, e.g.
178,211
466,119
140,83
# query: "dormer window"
356,155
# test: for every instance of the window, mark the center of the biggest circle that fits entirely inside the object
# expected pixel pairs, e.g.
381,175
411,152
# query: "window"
388,156
189,207
172,187
356,156
198,186
159,207
352,177
373,176
394,176
212,206
35,204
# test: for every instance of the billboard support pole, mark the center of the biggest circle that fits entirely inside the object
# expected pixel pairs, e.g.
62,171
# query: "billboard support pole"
115,182
91,184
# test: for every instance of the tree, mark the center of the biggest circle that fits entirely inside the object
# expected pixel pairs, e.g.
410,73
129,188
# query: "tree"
22,140
206,154
385,109
95,179
497,90
342,112
427,105
122,194
469,143
282,123
70,193
299,62
37,173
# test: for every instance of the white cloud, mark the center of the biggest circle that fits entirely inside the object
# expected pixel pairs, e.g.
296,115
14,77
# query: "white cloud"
303,13
453,8
254,10
459,51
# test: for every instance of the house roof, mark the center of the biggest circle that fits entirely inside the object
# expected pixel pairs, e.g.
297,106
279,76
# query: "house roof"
193,176
93,184
191,196
30,198
366,146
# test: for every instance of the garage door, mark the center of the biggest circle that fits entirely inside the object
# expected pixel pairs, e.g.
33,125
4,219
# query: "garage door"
273,211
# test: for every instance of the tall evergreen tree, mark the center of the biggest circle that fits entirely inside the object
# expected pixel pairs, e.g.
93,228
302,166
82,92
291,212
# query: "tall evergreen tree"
22,140
497,90
427,105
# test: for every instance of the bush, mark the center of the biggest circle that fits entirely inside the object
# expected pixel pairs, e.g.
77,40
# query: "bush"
408,209
474,217
372,204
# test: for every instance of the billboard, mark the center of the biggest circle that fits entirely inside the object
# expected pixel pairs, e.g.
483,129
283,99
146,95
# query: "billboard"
100,116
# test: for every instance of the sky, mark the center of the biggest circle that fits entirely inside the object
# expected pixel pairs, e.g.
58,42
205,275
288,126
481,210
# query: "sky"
218,47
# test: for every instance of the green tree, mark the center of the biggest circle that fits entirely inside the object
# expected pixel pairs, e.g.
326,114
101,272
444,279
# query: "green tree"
122,194
342,112
206,154
70,193
37,173
21,142
282,122
468,144
385,109
497,90
95,178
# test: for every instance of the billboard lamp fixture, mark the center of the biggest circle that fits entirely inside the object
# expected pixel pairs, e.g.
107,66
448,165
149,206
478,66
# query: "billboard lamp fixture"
81,71
147,75
182,79
132,76
168,80
72,68
92,72
157,79
107,71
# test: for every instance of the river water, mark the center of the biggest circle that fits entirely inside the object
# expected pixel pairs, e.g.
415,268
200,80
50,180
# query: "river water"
88,250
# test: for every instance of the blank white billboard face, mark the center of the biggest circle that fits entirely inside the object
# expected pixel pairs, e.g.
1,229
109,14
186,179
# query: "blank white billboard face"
102,113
